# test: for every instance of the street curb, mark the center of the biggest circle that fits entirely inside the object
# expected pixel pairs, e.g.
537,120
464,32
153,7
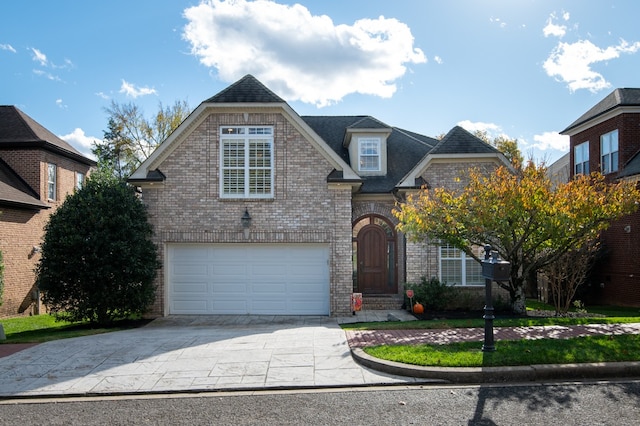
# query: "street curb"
527,373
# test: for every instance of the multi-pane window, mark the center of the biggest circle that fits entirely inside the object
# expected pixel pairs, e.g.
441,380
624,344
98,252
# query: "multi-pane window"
246,157
51,181
609,152
369,153
79,180
456,268
581,158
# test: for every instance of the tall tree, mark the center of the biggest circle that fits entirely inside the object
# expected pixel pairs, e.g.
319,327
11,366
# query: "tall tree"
521,215
130,137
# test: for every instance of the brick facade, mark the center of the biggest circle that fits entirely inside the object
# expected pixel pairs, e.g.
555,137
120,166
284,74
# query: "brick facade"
22,230
616,278
187,207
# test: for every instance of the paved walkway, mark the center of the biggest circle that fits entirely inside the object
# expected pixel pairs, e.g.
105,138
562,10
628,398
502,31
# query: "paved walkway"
362,338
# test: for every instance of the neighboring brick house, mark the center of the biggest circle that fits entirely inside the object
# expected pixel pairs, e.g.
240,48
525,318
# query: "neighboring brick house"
37,171
607,138
258,210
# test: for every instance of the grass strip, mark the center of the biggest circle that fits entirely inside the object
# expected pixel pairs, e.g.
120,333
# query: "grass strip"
44,328
515,352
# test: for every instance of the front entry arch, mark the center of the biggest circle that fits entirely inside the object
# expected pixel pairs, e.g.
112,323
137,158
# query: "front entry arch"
374,259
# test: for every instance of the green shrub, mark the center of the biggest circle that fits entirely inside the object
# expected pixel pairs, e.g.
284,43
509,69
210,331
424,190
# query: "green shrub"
433,294
98,261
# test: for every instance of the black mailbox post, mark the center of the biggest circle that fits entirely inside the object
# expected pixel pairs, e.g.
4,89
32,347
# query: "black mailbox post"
493,269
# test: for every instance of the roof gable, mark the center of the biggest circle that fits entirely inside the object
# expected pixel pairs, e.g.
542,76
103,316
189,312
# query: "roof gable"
18,130
247,94
625,97
246,90
460,141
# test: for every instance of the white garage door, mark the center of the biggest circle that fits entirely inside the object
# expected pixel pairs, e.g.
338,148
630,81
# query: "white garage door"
260,279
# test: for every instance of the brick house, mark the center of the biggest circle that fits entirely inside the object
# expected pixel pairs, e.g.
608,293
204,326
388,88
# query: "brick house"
607,138
37,171
258,210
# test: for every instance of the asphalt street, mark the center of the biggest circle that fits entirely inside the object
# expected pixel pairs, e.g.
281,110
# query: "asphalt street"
595,403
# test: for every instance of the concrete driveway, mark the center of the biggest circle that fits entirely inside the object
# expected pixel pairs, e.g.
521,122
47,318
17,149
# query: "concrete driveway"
187,353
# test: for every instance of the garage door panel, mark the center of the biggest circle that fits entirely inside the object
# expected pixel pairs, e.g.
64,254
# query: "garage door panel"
280,279
229,288
190,306
185,287
269,288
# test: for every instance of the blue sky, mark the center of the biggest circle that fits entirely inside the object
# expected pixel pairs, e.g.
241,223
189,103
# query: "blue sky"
524,69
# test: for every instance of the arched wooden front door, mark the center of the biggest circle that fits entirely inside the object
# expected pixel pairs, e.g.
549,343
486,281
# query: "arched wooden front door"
374,256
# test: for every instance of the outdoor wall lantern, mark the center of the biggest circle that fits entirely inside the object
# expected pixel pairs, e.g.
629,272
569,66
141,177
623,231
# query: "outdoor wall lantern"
246,222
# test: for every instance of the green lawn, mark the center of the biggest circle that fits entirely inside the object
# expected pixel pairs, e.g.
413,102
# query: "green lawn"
515,352
43,328
522,352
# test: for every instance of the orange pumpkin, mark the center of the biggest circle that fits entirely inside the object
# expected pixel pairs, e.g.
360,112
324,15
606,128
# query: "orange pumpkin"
418,308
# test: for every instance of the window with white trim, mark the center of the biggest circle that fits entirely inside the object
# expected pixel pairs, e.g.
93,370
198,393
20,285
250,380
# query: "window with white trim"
457,268
369,154
609,152
581,158
51,181
246,162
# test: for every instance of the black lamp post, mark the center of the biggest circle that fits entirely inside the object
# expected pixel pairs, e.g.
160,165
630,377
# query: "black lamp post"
493,269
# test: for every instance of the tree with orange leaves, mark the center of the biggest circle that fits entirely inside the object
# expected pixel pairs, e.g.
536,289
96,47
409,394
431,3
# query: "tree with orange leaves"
527,219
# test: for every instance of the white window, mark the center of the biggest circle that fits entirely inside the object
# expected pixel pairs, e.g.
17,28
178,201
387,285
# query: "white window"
51,181
456,268
609,152
246,162
369,153
581,158
79,180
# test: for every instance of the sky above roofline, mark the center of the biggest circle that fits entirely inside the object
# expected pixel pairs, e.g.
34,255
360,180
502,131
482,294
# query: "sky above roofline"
524,70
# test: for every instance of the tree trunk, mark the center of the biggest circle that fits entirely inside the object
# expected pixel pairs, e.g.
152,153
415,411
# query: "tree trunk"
519,300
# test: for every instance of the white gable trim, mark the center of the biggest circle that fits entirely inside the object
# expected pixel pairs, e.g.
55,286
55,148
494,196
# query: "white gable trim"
194,119
409,180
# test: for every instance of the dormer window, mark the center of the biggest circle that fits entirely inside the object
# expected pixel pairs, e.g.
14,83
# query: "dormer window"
369,154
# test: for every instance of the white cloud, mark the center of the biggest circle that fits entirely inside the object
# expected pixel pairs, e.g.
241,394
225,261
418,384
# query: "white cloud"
551,140
46,75
103,95
299,55
552,29
38,56
7,47
438,60
571,63
133,91
491,129
61,104
80,141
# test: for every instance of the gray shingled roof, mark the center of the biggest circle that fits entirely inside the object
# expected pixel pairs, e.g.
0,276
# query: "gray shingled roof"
460,141
15,192
246,90
617,98
19,131
632,167
404,149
